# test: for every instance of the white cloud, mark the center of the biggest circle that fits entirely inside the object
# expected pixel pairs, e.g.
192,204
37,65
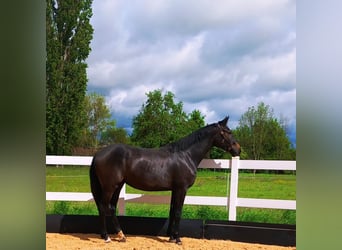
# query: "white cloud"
218,57
127,102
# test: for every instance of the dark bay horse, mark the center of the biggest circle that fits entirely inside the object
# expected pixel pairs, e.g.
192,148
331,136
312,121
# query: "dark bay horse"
171,167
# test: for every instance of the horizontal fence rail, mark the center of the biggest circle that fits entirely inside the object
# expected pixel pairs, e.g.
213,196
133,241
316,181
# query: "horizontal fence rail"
232,201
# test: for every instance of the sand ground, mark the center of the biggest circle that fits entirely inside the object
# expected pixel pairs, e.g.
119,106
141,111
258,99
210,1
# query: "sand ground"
58,241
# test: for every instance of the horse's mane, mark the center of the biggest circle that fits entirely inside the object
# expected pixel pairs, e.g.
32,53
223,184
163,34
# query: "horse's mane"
185,142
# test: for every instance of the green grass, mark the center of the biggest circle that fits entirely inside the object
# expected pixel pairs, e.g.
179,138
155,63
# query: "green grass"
67,179
208,183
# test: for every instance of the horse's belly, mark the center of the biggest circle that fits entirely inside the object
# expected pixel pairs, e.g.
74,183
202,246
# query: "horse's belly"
150,182
148,185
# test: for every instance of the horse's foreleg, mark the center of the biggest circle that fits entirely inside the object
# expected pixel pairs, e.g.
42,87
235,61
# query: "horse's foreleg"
171,216
177,202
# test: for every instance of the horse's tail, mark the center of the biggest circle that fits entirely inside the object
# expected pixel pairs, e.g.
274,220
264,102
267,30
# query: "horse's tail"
95,185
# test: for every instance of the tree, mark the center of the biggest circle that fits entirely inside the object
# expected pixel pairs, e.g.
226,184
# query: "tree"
100,128
195,121
98,119
262,136
161,121
68,36
114,135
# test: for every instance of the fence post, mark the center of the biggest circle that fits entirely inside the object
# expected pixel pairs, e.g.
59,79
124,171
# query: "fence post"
234,178
121,203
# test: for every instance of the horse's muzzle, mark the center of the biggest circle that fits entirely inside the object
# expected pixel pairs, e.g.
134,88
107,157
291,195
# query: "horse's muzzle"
235,150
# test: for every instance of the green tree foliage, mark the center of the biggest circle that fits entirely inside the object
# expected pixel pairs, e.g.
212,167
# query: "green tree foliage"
68,36
195,121
161,121
262,136
98,119
100,129
114,135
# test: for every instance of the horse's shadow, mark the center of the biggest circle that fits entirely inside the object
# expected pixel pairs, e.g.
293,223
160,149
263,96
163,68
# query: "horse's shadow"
84,237
87,237
156,238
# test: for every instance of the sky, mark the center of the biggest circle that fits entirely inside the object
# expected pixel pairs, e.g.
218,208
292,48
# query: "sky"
219,57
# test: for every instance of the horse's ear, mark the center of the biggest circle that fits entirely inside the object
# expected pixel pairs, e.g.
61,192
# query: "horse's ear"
224,121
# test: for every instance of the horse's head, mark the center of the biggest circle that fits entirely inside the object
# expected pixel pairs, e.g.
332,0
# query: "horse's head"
225,140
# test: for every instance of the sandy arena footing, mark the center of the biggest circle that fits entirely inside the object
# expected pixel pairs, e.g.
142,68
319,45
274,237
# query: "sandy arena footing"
56,241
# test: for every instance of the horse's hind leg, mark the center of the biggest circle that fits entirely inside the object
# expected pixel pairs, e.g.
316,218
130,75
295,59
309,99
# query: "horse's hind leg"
113,204
103,208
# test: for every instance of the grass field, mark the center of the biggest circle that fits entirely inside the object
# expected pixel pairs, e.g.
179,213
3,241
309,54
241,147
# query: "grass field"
208,183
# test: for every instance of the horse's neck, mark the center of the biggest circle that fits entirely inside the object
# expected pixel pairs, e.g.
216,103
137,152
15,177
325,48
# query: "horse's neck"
199,150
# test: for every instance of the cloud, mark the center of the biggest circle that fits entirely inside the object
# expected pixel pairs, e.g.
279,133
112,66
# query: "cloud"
126,103
150,20
218,57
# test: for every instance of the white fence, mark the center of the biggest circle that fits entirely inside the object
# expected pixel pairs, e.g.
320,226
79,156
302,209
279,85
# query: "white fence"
232,201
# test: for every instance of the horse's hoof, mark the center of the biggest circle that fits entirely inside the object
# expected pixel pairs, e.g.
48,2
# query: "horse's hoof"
175,240
108,240
121,237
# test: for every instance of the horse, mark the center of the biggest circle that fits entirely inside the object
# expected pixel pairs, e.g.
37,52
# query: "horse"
171,167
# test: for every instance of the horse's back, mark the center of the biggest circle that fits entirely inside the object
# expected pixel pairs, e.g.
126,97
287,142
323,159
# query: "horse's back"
112,152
